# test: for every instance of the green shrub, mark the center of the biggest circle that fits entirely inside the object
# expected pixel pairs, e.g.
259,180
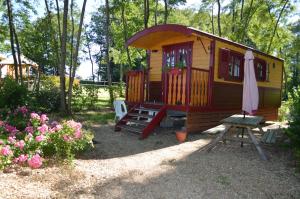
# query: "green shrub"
284,110
53,81
293,131
12,94
45,100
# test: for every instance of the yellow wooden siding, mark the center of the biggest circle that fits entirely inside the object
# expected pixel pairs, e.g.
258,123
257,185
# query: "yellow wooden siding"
275,74
200,58
155,66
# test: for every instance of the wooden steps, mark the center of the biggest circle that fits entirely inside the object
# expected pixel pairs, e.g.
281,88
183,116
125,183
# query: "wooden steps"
140,115
141,120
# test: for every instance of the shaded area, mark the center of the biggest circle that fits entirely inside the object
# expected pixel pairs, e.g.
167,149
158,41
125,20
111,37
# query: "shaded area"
227,172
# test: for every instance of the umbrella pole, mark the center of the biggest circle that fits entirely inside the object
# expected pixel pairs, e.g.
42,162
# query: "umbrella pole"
242,143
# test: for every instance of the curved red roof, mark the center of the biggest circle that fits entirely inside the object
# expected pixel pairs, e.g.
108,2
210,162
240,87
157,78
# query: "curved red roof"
147,37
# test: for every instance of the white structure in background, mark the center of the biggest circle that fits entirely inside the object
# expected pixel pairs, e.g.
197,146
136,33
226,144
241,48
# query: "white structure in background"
7,66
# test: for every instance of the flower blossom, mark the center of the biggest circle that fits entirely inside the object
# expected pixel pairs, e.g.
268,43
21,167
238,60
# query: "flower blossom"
11,129
43,118
22,110
6,150
39,138
20,144
21,159
67,138
58,127
35,161
77,134
29,129
11,139
43,129
74,125
35,116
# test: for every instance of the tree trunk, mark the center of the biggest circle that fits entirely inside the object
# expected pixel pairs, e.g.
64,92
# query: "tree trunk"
71,59
53,37
90,54
63,58
155,12
146,13
166,12
242,9
233,17
11,34
75,58
276,25
58,21
212,18
246,22
107,52
219,18
19,56
125,33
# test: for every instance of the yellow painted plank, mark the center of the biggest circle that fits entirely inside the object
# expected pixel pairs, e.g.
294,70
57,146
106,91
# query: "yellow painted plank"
184,86
169,89
179,88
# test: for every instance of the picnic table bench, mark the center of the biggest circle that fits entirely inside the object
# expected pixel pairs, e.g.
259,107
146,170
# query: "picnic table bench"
245,122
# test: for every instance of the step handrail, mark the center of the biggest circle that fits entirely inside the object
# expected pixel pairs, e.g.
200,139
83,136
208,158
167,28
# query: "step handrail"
154,122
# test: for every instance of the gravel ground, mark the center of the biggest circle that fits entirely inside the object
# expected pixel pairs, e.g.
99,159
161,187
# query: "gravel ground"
121,166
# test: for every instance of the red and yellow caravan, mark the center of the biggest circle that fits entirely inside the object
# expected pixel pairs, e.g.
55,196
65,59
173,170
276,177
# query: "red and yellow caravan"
195,73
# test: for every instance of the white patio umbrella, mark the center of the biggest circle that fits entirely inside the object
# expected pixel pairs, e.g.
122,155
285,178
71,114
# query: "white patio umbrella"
250,90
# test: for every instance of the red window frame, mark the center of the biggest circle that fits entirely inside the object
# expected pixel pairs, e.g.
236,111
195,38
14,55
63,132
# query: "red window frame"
228,59
260,68
176,48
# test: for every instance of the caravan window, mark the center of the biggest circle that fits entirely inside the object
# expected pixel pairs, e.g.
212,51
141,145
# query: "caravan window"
260,67
231,65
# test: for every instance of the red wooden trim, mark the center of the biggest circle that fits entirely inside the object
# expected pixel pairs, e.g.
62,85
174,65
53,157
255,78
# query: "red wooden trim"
126,87
200,69
178,45
188,31
176,107
188,78
211,71
148,84
172,76
154,122
142,97
121,121
148,75
134,72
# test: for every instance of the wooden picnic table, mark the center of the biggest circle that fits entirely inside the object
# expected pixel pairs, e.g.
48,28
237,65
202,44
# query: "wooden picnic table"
248,123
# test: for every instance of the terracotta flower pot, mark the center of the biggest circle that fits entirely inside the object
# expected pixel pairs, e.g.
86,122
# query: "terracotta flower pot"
181,135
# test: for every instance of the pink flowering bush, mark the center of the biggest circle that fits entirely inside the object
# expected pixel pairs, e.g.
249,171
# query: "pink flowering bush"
28,138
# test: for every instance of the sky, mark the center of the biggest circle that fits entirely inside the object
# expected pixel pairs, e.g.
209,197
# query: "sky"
85,68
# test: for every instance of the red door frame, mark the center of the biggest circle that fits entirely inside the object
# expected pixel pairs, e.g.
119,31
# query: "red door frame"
176,47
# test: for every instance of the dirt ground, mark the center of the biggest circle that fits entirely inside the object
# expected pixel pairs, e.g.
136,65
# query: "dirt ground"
122,166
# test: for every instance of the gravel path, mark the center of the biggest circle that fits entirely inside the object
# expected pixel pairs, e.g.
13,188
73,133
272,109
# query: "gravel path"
121,166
